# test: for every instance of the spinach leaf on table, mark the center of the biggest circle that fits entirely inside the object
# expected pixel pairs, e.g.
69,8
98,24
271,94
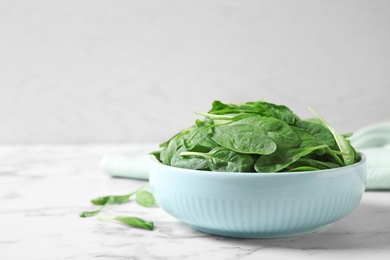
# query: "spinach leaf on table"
145,198
131,221
104,201
87,214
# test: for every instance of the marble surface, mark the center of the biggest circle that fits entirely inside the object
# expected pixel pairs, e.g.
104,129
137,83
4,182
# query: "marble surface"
44,187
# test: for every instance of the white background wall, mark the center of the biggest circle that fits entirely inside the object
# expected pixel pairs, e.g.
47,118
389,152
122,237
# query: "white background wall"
126,70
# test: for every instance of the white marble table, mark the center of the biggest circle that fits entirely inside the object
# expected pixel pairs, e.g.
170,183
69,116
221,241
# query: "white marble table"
44,187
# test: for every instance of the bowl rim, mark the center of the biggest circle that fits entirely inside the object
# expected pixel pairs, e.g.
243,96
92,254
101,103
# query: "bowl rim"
155,161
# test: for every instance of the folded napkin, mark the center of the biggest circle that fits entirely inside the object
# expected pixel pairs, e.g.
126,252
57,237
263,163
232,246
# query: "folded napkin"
131,163
374,142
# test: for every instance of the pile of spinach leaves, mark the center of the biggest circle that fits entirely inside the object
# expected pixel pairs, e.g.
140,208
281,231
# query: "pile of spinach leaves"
257,137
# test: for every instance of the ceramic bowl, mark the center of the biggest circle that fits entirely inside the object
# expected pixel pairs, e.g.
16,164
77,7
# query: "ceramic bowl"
258,205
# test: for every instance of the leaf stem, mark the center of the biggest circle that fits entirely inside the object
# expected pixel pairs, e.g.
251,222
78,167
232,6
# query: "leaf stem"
206,156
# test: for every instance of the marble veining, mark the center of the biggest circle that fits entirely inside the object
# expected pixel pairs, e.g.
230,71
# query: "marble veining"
44,187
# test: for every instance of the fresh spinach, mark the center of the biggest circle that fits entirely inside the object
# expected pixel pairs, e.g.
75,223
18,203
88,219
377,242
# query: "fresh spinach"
343,144
282,158
256,137
87,214
221,159
106,200
143,198
188,162
244,138
131,221
259,107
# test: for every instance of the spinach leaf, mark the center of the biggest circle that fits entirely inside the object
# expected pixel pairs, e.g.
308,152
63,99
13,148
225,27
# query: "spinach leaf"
282,158
87,214
169,151
114,199
259,107
221,159
302,162
205,145
277,111
342,142
256,135
188,162
278,131
303,169
131,221
145,198
318,133
176,136
156,154
196,135
244,138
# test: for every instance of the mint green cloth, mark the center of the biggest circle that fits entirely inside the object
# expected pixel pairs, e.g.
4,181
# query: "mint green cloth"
131,163
374,142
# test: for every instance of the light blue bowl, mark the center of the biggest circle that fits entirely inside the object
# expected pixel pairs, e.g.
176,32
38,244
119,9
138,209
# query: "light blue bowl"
258,205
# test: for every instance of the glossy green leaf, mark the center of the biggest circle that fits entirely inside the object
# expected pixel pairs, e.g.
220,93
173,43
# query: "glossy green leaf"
343,144
145,198
87,214
131,221
221,159
282,158
244,138
114,199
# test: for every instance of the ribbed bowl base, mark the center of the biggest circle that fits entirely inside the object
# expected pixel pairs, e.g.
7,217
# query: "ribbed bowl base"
258,234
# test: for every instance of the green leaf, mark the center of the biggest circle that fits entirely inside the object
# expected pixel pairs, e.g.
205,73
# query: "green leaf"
301,162
221,159
190,162
258,107
169,151
87,214
282,158
278,131
277,111
196,135
114,199
317,134
303,169
146,199
244,138
131,221
205,145
256,135
111,200
342,142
